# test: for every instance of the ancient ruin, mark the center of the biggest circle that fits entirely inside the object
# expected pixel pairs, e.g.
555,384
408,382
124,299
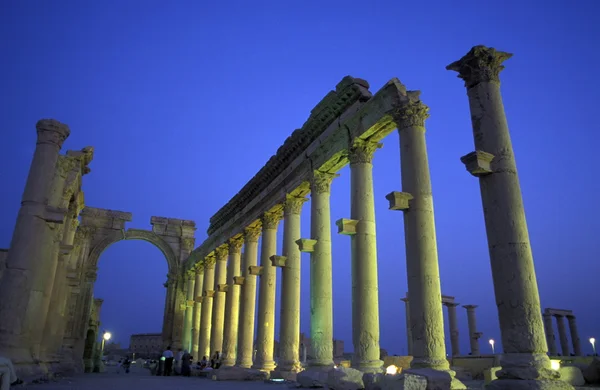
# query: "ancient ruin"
211,289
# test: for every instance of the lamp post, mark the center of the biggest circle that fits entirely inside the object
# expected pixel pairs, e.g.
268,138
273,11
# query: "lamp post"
593,342
105,337
492,344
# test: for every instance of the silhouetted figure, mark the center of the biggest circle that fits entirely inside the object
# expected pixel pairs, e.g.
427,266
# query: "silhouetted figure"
186,361
168,355
215,361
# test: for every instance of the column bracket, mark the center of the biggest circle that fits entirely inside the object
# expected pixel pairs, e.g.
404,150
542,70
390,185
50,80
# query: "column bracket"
278,261
255,270
238,280
478,163
399,200
346,226
306,245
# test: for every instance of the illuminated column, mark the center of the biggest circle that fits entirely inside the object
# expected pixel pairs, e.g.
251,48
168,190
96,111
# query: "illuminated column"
562,335
22,304
513,272
186,340
289,333
266,299
473,334
574,336
216,337
232,305
361,229
422,270
248,297
550,338
196,317
409,341
207,306
453,325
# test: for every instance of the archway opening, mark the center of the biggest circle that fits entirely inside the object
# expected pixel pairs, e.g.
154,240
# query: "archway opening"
131,277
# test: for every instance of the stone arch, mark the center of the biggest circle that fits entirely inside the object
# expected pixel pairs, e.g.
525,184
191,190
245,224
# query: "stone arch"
135,234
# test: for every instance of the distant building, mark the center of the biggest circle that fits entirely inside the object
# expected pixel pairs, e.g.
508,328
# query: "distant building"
146,345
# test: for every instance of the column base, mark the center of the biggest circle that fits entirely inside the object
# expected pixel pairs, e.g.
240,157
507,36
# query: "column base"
314,377
244,363
267,366
227,362
526,371
431,378
369,367
440,364
287,371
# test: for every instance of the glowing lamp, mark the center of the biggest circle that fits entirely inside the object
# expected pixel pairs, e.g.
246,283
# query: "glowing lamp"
492,342
555,364
107,336
593,342
391,370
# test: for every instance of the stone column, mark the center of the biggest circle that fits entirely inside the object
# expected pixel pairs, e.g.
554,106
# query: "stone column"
409,341
473,334
186,340
21,305
218,320
207,306
266,299
232,304
550,338
361,228
422,270
453,325
197,310
574,336
321,276
289,329
248,298
562,335
515,284
167,331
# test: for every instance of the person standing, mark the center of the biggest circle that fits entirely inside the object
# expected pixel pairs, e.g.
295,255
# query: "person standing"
168,355
186,361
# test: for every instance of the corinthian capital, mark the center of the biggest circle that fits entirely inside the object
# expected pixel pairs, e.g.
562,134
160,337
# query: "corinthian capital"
362,152
293,204
209,261
270,219
412,114
51,131
320,182
222,252
480,64
252,233
235,244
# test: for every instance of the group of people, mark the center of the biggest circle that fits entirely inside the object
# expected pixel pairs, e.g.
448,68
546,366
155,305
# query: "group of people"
181,364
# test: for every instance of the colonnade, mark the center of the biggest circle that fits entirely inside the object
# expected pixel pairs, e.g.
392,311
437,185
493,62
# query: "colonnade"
562,332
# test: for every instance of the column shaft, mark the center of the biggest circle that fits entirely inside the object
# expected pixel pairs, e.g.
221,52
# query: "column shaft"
248,298
198,286
266,299
189,311
218,320
574,336
424,290
232,304
409,340
207,307
22,306
550,338
365,294
473,334
289,333
321,275
453,325
562,335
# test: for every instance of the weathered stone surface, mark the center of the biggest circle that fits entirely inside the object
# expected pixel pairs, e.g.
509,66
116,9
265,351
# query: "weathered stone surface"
592,372
238,374
313,378
430,379
345,379
571,375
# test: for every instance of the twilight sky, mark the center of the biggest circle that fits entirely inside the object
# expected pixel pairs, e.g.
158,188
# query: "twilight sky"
185,101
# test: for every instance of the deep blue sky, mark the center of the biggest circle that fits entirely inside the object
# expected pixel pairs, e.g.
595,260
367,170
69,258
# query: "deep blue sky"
185,101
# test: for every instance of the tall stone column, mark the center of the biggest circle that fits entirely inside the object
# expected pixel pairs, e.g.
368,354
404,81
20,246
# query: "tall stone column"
321,275
473,334
207,306
409,341
266,299
186,340
198,286
422,270
232,304
289,333
550,338
574,336
361,228
218,320
248,297
515,284
167,330
562,335
453,325
21,306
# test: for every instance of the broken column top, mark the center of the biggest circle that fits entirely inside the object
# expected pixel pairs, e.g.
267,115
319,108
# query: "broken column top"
480,64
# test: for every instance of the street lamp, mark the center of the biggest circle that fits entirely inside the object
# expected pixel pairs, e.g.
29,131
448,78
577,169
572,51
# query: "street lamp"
593,342
492,344
105,337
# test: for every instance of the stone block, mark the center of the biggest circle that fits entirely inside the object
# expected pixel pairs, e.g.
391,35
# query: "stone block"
255,270
208,293
399,200
313,378
391,382
198,299
343,378
346,226
278,261
478,163
222,287
489,374
592,373
571,375
430,379
238,280
372,381
238,374
306,245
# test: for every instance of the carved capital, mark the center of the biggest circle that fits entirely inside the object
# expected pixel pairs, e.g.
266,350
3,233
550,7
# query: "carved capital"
190,275
362,152
235,244
51,131
480,64
199,267
222,252
187,243
270,219
320,182
412,114
209,261
293,204
252,233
